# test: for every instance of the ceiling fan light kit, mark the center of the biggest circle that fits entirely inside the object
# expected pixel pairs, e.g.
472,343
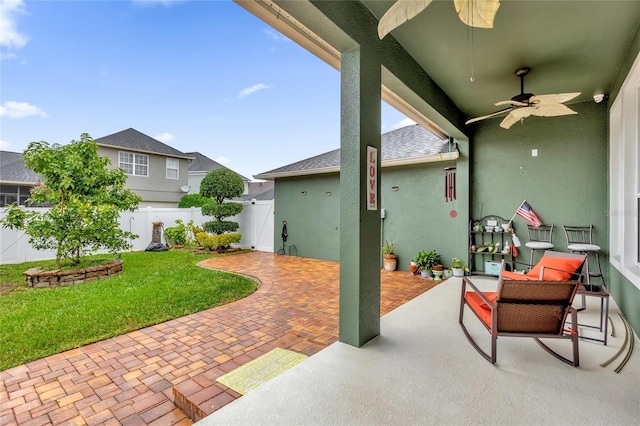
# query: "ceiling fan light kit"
524,105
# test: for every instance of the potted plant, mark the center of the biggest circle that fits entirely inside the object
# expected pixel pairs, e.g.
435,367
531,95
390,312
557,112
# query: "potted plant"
437,271
413,267
389,255
459,268
426,261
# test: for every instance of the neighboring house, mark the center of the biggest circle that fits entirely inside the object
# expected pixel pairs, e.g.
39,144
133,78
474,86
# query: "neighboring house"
156,172
16,180
412,178
260,191
200,166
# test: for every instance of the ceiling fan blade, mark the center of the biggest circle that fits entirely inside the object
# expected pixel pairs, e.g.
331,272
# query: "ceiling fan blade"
477,13
512,103
484,117
552,110
399,13
515,116
509,121
554,98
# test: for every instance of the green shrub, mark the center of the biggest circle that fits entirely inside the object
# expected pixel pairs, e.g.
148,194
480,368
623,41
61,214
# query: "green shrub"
215,227
182,234
220,211
176,235
214,242
193,200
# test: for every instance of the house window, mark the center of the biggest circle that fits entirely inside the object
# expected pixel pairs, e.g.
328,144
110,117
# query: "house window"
624,166
134,164
173,168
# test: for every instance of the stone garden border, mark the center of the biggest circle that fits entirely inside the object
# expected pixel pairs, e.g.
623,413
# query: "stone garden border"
36,277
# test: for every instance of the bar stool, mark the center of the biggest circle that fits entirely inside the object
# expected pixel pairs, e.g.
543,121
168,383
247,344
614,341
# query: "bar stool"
580,240
539,239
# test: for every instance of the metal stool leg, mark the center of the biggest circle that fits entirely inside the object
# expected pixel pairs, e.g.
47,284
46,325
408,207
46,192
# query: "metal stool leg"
599,273
531,258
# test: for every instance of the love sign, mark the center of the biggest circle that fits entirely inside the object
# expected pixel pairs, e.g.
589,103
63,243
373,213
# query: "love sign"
372,178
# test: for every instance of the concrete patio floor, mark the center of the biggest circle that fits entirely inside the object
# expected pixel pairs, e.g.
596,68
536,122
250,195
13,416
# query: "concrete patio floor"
421,370
135,378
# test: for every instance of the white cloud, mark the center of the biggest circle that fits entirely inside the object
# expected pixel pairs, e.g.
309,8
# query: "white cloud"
403,123
275,35
164,137
10,37
252,89
4,144
13,109
222,160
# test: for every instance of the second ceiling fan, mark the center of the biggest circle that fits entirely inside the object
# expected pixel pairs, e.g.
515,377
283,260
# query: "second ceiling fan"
524,105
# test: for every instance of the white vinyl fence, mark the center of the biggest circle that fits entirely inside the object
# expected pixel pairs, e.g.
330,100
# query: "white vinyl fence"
256,227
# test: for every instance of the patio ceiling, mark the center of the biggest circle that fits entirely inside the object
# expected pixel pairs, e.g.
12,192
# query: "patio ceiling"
570,46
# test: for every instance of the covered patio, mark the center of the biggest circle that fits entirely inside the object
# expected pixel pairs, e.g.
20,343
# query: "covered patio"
577,168
422,370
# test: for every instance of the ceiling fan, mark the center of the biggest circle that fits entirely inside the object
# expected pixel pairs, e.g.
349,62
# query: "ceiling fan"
474,13
524,105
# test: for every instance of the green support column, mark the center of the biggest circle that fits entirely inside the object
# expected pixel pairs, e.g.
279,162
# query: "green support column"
359,227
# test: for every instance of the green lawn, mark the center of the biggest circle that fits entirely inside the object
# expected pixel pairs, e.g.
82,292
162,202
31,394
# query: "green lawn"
153,287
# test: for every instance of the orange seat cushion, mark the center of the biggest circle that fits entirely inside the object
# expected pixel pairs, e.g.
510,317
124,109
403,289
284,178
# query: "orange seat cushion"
479,306
555,268
515,276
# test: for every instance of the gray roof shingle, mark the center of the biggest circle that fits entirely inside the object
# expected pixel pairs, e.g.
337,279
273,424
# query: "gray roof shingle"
401,144
12,169
202,163
136,141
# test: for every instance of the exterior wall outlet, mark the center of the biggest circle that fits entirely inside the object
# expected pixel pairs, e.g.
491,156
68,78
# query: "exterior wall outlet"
534,152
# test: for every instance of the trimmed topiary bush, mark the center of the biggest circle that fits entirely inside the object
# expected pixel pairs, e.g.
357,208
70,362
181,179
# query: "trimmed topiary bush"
221,184
215,227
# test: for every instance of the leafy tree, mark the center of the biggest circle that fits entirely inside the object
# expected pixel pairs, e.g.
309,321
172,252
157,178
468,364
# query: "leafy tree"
221,184
86,200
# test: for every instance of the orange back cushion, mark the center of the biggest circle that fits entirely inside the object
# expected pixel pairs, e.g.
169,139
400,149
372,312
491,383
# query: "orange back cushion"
555,268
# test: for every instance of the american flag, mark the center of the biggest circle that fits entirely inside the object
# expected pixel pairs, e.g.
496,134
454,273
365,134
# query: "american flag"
526,212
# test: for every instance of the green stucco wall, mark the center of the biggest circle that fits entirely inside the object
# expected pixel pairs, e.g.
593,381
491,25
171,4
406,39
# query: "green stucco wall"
313,219
417,215
566,183
626,295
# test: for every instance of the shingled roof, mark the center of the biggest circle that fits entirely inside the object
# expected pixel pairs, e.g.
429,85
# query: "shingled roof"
407,145
134,140
13,170
202,163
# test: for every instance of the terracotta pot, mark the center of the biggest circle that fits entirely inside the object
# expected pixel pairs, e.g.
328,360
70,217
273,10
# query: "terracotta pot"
390,262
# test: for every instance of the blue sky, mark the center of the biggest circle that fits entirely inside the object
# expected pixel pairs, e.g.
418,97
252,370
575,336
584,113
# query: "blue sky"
198,75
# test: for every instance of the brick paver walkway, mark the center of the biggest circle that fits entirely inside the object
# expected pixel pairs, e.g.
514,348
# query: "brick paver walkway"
130,379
